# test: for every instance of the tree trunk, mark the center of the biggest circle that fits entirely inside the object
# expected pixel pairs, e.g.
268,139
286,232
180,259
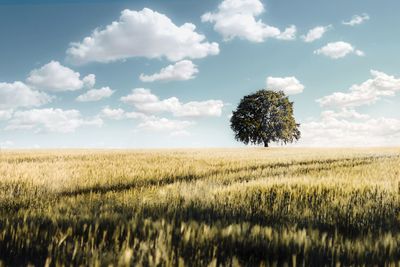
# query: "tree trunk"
265,143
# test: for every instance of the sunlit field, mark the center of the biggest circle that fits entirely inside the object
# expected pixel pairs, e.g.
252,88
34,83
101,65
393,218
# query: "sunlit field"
214,207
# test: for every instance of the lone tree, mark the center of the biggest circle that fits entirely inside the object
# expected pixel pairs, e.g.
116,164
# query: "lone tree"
265,117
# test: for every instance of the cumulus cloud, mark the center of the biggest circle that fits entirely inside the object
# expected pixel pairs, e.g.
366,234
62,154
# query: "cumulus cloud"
238,19
144,101
211,108
349,128
138,115
5,114
288,34
148,104
315,33
357,20
289,85
55,77
180,71
50,120
338,50
89,81
344,126
368,92
164,124
140,95
144,33
95,95
17,94
344,114
113,113
149,122
119,114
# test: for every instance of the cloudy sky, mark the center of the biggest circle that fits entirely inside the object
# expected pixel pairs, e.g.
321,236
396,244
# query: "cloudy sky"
162,73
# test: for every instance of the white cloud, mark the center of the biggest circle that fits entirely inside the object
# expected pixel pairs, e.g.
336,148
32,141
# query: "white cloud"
144,101
147,104
288,34
55,77
120,114
315,33
212,108
289,85
344,114
149,122
238,18
89,81
50,120
5,114
18,94
164,124
357,20
143,33
114,114
140,95
338,50
349,128
367,92
138,115
359,53
180,71
95,94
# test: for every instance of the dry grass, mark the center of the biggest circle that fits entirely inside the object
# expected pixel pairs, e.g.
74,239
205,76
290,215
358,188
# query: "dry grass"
200,207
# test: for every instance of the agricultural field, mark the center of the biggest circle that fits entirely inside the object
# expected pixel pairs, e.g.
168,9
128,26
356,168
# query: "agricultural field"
205,207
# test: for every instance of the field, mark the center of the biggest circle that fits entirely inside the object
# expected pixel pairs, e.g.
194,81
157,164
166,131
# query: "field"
229,207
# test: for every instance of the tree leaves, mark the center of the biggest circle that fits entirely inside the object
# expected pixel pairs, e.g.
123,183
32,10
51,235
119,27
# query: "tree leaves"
263,117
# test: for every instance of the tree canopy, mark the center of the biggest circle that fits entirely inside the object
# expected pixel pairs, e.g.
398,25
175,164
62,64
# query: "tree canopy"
264,117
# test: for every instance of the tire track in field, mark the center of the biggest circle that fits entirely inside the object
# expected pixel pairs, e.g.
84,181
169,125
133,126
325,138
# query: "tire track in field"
304,167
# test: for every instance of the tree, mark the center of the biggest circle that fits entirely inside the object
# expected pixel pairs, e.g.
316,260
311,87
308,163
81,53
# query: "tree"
265,117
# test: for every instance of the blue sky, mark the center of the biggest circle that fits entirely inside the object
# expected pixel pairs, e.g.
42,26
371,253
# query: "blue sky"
169,73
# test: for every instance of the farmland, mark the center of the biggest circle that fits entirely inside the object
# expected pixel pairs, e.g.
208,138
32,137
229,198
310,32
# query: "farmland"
228,207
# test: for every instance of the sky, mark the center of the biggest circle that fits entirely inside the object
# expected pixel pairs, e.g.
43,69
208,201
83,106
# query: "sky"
155,74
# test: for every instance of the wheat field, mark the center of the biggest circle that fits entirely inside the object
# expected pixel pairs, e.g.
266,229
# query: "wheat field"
200,207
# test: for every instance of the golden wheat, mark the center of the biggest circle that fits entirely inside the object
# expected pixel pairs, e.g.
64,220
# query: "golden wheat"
200,207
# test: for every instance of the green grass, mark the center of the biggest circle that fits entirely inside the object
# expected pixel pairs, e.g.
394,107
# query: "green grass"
230,207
